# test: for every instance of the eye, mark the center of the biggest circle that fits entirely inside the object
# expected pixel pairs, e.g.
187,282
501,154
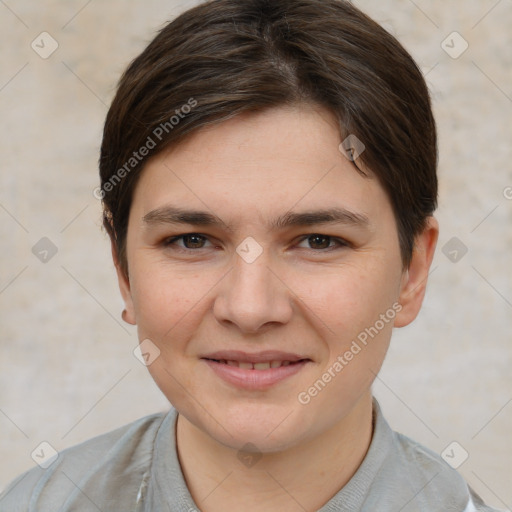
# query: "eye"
190,241
323,242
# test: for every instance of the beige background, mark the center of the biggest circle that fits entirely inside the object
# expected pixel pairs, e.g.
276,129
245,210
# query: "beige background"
67,371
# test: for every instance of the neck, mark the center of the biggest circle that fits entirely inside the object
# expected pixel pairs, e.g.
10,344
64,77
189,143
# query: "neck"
303,477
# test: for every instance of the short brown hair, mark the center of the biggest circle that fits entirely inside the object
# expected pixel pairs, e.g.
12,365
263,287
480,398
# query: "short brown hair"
226,57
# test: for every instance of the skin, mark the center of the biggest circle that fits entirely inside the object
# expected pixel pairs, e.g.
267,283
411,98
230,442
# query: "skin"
300,295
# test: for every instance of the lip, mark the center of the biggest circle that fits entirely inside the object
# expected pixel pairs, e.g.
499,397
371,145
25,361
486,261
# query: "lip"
257,357
251,379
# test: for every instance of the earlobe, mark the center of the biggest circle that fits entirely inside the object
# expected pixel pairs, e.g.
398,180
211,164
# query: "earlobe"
128,314
414,278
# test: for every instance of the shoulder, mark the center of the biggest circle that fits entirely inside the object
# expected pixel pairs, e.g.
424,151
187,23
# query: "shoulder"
434,479
408,476
92,469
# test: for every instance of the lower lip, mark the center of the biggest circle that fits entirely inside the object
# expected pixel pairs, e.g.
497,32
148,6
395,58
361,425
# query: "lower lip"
254,379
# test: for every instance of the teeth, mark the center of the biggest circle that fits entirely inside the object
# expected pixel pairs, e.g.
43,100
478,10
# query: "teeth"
261,366
256,366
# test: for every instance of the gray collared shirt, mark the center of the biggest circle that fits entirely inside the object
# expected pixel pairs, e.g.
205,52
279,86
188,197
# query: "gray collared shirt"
136,468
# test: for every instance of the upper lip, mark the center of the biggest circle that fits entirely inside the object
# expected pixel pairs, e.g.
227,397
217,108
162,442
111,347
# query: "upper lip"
258,357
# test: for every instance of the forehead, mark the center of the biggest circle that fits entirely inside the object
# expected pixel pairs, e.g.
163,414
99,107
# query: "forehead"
265,162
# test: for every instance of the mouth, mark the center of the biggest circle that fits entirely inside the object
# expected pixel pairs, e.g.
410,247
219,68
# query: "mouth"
248,365
255,371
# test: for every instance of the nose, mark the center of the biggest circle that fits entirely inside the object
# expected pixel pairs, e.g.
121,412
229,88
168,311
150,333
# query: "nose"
252,296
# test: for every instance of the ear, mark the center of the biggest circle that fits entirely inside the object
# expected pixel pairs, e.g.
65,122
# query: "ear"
124,287
414,278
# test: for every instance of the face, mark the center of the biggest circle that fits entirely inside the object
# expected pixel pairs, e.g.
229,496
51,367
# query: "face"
267,273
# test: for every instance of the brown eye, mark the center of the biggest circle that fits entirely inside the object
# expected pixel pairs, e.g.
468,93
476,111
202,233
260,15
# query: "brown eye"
189,241
193,241
319,241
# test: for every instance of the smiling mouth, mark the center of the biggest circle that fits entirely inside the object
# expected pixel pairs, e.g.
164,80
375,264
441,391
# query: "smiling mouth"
246,365
259,374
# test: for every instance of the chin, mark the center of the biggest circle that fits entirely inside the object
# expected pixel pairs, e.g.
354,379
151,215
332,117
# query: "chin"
270,428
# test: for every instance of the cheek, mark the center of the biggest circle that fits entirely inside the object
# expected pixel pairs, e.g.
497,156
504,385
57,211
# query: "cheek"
355,337
168,310
357,313
163,300
350,298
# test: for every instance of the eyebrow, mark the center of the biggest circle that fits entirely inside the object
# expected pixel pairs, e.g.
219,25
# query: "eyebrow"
172,215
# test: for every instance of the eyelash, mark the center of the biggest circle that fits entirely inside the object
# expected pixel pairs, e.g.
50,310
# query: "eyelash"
169,242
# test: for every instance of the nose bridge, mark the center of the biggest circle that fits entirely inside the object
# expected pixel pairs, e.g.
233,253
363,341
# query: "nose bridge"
252,296
252,279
